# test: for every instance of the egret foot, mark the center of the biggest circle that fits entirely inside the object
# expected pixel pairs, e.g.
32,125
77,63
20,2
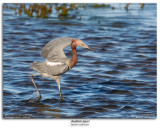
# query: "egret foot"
61,98
39,97
35,100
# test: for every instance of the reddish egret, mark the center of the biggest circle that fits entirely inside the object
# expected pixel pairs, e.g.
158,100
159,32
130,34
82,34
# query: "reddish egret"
56,62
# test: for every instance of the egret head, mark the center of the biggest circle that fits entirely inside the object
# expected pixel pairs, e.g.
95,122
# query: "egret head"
77,42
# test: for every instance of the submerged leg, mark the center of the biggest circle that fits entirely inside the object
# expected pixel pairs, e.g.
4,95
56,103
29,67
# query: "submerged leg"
35,85
58,83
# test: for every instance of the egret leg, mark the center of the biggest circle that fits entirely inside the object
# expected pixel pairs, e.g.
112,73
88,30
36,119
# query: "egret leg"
58,83
35,85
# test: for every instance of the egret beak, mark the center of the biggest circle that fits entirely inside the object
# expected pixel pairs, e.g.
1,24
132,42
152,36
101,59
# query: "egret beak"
85,46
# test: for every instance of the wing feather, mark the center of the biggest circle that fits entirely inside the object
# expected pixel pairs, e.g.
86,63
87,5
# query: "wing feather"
54,48
53,70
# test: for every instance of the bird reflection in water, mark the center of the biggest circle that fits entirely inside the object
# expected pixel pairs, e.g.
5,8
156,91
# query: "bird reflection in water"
43,108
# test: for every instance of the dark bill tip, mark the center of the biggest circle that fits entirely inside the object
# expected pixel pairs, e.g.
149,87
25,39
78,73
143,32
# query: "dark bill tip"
92,49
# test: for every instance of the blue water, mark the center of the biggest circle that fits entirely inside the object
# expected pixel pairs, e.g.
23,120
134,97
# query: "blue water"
116,81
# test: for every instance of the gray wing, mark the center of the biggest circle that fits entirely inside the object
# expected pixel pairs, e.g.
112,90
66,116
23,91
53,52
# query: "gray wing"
55,70
54,48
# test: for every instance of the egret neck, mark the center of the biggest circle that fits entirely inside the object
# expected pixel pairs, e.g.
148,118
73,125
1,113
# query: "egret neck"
73,61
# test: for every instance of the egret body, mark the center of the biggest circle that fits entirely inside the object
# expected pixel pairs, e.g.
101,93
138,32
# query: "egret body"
56,62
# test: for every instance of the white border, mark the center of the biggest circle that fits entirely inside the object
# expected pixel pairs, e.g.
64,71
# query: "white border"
103,123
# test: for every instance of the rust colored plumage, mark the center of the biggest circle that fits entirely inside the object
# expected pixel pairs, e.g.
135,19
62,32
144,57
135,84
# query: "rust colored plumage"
74,59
